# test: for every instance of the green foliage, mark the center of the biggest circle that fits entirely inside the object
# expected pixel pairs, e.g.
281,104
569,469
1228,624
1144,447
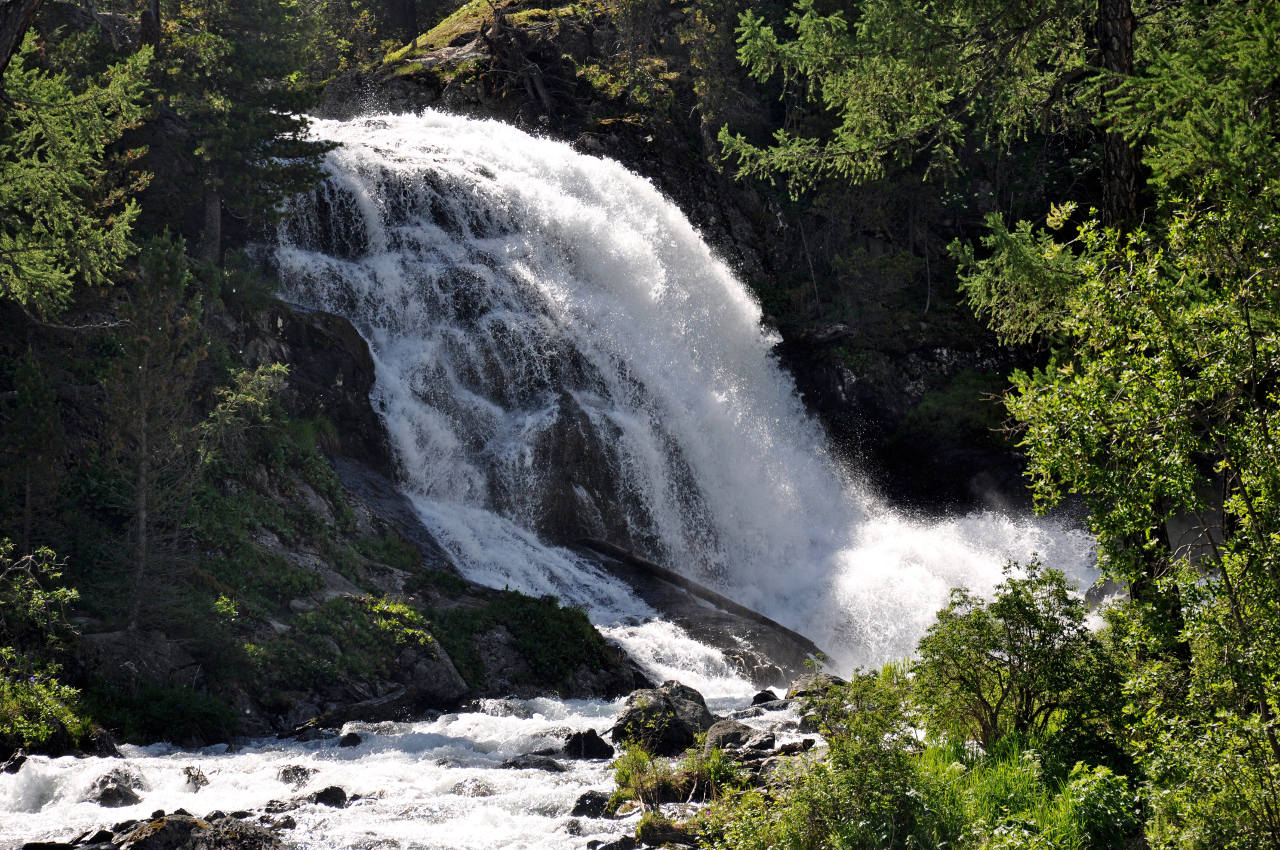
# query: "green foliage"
340,639
553,641
64,214
1013,665
390,549
36,710
888,81
640,776
146,712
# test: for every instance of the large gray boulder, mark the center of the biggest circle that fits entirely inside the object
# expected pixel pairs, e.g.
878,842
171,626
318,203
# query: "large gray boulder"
664,720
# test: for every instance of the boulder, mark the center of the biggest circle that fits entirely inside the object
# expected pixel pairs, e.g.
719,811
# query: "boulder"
587,745
116,788
162,833
333,796
15,762
295,775
664,720
534,762
231,834
727,734
764,696
592,804
813,685
351,739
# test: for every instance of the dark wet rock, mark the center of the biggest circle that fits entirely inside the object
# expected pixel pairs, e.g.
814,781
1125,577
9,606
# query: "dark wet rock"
162,833
47,845
591,804
626,842
801,746
473,786
813,685
295,775
727,734
764,696
333,796
158,813
230,834
116,788
587,745
309,731
285,822
240,814
760,741
776,705
664,720
101,836
15,762
502,708
195,778
101,744
351,739
529,761
275,807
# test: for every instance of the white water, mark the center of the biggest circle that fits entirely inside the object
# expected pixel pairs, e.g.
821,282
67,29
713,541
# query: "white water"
514,291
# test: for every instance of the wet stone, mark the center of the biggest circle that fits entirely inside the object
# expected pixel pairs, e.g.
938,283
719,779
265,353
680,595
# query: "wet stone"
351,739
333,796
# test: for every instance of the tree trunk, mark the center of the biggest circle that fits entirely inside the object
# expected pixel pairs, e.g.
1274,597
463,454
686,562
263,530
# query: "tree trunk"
1121,161
211,241
15,17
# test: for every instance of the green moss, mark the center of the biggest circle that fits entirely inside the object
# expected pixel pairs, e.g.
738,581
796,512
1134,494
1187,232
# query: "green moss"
341,639
391,550
552,640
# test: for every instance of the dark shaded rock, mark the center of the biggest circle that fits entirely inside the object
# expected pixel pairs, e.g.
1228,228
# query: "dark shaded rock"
587,745
101,744
664,720
813,685
661,832
351,739
626,842
47,845
333,796
15,762
162,833
286,822
591,804
764,696
158,813
776,705
195,778
330,374
295,775
726,734
240,814
102,836
531,762
761,741
801,746
116,788
275,807
229,834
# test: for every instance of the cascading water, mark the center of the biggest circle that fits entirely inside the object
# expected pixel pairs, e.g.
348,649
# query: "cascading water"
558,354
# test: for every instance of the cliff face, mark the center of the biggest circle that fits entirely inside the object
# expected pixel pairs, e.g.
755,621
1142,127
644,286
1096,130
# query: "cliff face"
856,281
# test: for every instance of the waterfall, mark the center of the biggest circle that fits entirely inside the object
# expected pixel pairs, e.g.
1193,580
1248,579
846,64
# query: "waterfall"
559,354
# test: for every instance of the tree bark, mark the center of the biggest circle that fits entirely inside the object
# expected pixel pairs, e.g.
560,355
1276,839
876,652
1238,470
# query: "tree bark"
15,17
1121,161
